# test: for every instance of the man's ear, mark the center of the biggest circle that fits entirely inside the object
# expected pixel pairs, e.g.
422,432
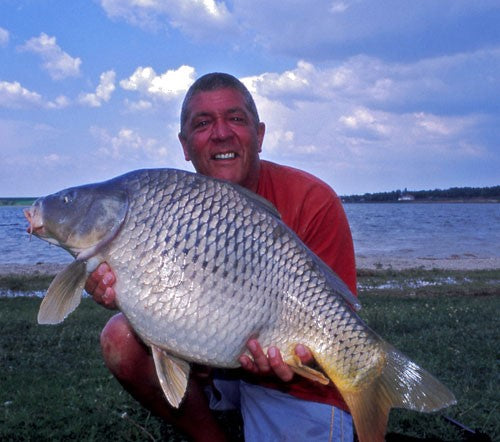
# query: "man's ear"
261,130
183,141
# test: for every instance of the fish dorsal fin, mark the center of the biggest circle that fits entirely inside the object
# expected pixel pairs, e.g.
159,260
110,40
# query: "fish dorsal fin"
307,372
64,294
257,199
173,374
337,284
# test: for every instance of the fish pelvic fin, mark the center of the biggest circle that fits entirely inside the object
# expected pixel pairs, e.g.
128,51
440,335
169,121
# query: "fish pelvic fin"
64,294
173,374
401,384
307,372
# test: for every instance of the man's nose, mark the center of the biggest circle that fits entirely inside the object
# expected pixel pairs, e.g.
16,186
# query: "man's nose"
221,130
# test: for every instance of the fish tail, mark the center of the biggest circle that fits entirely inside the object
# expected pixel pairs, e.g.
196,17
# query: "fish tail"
401,383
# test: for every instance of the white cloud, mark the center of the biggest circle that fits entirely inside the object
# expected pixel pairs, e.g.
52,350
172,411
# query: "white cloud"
58,63
18,136
340,28
432,124
138,106
295,82
59,103
103,91
345,121
197,18
364,119
368,81
328,29
337,7
54,159
128,145
170,84
13,95
4,37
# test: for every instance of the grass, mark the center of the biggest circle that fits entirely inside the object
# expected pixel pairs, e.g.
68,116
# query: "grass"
54,386
20,283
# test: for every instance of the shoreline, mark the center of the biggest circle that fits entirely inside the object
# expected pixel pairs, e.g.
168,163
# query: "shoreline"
362,263
451,263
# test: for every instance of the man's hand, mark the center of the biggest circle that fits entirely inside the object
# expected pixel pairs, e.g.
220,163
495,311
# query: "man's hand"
99,284
263,364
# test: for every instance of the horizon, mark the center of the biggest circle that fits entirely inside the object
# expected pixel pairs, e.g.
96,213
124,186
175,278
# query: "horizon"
402,191
366,104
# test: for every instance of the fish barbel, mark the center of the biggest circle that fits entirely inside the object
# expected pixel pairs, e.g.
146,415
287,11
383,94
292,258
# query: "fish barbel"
201,266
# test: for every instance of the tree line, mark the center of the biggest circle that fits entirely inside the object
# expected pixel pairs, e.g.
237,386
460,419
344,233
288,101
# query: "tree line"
5,201
454,193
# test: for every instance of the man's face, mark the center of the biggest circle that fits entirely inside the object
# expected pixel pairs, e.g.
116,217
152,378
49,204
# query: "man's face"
221,138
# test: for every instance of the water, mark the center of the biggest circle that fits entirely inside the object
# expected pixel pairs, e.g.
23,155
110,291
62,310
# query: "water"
17,247
431,231
407,231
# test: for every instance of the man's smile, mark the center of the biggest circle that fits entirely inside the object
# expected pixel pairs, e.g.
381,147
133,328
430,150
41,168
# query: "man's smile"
225,156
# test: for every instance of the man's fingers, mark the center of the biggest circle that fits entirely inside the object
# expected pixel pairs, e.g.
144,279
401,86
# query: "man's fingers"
272,362
100,283
95,279
259,357
108,298
280,368
107,280
303,353
247,363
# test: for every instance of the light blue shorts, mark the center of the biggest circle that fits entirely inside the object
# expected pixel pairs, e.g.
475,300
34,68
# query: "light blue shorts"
270,415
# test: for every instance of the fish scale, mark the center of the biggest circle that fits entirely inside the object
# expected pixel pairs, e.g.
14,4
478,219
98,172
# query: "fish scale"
201,266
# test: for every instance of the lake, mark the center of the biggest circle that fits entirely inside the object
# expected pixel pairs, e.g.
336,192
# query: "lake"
408,231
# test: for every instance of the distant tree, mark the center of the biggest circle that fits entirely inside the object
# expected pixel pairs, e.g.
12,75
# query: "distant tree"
452,193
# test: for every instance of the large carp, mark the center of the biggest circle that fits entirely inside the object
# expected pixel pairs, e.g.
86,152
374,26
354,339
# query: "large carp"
201,266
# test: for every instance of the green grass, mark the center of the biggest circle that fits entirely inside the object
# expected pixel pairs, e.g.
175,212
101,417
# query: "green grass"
54,386
19,283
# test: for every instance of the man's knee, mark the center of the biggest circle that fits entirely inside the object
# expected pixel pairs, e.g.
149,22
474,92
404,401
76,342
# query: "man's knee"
122,349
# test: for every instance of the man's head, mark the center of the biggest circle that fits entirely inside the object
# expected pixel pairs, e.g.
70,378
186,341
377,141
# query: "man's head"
212,82
220,129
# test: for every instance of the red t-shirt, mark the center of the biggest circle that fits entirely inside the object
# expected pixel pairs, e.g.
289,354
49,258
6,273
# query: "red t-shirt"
314,212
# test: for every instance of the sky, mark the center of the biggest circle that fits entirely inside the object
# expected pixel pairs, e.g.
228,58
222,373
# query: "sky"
370,96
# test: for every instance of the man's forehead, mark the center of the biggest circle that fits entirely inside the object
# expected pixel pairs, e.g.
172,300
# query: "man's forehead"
225,100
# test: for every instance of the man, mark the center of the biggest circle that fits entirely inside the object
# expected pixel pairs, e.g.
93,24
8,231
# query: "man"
222,136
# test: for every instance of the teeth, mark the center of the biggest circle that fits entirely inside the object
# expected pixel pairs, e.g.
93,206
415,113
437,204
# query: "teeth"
225,156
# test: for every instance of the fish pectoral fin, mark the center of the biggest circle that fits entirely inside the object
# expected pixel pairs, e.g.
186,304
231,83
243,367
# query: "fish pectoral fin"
307,372
173,374
64,294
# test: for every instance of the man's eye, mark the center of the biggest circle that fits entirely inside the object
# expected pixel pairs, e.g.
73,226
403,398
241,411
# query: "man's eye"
202,123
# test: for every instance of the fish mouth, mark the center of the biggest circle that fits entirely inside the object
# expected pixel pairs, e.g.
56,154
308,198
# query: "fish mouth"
220,156
34,218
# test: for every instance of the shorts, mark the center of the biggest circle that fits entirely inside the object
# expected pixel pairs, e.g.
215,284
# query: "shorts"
270,415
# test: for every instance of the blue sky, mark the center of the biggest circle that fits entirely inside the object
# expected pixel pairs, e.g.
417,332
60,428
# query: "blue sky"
368,95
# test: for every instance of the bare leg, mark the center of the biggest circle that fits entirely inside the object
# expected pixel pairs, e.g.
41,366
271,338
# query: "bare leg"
131,363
